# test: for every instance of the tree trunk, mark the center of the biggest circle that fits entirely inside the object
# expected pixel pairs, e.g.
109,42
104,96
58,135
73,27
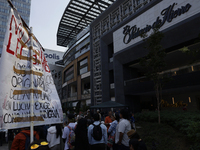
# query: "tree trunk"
158,102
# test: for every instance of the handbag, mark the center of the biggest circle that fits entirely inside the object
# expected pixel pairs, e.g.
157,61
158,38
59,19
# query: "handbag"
111,140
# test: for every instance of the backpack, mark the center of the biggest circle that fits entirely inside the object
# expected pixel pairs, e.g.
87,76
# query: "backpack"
97,132
71,139
27,142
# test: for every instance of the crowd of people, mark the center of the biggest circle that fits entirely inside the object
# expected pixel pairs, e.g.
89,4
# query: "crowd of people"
85,131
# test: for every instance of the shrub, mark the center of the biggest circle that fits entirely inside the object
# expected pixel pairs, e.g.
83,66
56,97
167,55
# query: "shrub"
186,122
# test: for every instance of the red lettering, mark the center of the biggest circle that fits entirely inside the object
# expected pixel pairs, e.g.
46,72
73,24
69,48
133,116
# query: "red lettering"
16,28
45,65
8,46
18,41
35,59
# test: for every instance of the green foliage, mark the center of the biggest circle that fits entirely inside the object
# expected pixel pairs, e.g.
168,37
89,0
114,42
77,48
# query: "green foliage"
161,136
186,122
184,50
154,61
193,131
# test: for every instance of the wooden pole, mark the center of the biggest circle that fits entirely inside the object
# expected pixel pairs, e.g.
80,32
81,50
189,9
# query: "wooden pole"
31,80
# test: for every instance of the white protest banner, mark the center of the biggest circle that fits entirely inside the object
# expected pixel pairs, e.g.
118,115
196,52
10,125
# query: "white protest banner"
15,81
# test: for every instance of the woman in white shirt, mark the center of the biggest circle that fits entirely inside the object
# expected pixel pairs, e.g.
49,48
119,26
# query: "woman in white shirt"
54,136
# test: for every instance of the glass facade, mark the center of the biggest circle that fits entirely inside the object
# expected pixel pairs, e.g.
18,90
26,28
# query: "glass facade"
23,7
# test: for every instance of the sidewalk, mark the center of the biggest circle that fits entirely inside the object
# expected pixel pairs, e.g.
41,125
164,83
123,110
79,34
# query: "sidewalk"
4,147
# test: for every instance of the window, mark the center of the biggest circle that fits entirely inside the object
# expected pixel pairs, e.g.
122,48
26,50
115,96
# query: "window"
83,62
83,70
83,66
69,74
59,74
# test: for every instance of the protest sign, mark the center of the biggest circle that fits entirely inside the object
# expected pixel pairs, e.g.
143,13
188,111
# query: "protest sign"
15,80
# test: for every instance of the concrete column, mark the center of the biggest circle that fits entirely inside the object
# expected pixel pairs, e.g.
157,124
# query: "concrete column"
105,72
79,87
119,81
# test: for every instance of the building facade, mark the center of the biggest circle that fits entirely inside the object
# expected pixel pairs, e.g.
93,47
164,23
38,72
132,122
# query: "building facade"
52,57
76,74
116,50
73,33
22,6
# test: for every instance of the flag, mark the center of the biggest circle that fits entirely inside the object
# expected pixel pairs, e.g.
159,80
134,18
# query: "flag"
15,80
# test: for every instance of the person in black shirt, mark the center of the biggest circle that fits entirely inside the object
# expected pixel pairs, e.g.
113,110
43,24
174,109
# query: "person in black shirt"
81,139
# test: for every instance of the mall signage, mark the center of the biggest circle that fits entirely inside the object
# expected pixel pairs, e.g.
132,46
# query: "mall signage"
52,56
168,14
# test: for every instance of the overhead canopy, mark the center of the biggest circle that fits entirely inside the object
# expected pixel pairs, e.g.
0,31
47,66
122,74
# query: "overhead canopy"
77,16
109,104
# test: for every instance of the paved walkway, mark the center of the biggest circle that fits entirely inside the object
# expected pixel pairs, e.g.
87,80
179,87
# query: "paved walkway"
4,147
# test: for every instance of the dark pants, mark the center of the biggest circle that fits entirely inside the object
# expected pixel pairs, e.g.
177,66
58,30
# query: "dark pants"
101,146
115,146
122,147
1,138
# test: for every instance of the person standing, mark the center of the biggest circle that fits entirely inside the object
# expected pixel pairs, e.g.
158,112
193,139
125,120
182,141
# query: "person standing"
132,120
97,134
121,137
54,134
112,131
98,112
81,139
108,120
69,132
135,141
20,139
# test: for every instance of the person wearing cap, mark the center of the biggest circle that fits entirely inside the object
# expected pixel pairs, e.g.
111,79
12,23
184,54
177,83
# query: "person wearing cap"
132,134
135,143
66,131
121,137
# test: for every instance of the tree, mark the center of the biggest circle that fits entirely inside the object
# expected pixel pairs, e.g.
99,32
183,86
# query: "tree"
154,63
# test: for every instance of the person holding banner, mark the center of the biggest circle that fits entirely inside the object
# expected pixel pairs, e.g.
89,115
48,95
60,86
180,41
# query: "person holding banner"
20,139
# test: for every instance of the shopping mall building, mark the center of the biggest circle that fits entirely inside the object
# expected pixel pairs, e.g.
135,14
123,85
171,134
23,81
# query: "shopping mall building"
116,49
74,34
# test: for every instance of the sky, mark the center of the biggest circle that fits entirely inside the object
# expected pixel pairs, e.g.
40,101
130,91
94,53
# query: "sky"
44,19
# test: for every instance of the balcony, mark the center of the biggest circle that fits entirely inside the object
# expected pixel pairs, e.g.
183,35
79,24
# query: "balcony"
86,94
72,97
179,83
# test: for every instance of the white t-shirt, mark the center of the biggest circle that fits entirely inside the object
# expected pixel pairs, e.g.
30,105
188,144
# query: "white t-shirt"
51,136
66,134
124,126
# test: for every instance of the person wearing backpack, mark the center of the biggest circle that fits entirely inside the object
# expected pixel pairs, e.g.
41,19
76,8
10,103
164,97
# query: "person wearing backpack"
69,134
22,139
97,134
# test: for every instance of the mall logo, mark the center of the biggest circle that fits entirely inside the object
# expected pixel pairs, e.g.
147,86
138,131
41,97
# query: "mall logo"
168,15
52,56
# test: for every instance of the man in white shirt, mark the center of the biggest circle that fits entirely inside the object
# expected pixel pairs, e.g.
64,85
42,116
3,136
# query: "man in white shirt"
66,131
101,143
121,137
